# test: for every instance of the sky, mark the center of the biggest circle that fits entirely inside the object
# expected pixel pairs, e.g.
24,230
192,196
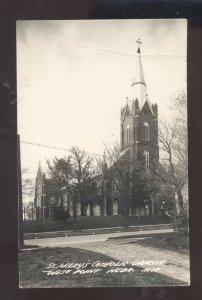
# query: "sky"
73,77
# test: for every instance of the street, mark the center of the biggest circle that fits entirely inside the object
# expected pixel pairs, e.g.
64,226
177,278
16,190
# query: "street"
125,249
91,238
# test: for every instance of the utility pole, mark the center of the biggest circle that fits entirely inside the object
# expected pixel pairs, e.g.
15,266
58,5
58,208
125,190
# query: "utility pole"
24,213
32,212
20,206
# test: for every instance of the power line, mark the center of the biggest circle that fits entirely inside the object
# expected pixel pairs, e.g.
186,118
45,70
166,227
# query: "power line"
124,53
45,146
52,147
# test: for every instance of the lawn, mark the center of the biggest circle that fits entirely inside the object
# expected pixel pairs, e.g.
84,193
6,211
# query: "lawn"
170,241
90,222
32,262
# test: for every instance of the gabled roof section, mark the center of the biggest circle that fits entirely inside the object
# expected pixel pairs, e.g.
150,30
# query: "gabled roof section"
146,103
40,172
122,158
125,110
123,153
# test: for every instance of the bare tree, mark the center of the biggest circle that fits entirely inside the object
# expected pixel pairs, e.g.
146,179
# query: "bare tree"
179,126
28,185
29,210
173,142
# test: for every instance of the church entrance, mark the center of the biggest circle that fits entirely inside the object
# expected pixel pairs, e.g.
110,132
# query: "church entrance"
115,208
89,210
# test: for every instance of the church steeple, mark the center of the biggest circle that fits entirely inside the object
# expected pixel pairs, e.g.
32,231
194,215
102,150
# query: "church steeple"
138,86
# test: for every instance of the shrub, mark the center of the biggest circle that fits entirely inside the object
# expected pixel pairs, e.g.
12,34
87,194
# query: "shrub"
60,214
182,222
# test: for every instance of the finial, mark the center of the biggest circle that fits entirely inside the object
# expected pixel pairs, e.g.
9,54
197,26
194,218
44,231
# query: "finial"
139,42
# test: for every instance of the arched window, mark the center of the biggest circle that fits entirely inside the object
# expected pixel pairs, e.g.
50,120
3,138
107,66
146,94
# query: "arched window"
146,153
115,185
115,207
146,132
99,188
52,200
128,133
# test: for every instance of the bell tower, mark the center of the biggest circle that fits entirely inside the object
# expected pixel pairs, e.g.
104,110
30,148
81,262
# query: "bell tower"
139,120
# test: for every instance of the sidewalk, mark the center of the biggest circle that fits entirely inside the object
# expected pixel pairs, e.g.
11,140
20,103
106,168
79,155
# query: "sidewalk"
131,229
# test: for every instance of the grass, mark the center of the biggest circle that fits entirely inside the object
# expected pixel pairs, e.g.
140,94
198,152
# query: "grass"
90,222
27,247
32,263
170,241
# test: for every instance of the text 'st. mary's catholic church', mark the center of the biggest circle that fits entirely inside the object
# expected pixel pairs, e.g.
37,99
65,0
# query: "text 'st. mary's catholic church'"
139,149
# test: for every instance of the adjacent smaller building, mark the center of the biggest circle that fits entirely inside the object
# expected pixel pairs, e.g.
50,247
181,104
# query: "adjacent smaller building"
46,194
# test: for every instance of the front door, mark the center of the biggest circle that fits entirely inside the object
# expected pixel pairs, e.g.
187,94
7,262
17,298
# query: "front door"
115,208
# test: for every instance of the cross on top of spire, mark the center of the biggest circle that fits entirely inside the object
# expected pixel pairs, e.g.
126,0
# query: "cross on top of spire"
138,42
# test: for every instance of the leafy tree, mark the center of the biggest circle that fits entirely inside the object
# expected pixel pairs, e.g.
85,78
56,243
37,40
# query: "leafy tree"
60,170
135,186
83,172
60,214
144,187
119,168
75,173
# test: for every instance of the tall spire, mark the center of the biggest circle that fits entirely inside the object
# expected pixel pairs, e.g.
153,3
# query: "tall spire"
138,86
40,171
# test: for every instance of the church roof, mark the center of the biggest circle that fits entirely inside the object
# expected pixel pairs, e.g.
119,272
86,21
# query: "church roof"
139,74
138,86
40,172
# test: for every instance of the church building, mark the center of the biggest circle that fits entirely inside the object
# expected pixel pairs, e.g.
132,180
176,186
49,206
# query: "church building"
138,142
121,188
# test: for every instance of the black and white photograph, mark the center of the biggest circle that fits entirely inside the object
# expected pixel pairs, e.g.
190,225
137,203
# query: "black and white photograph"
102,153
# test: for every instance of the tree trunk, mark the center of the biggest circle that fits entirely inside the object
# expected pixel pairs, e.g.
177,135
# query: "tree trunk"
174,217
125,198
74,222
83,210
180,199
74,215
61,199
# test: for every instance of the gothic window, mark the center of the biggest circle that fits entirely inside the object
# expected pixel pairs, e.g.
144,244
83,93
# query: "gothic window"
99,188
128,133
52,200
146,132
115,208
115,183
146,153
